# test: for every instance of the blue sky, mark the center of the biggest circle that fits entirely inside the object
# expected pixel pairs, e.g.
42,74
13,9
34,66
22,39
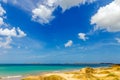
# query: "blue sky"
59,31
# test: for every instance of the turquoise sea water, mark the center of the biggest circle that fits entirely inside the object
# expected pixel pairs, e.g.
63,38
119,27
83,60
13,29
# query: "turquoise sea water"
25,69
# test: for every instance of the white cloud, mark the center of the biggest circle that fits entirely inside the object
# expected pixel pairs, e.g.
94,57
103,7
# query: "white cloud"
2,11
26,5
8,32
51,3
12,32
1,21
108,17
117,39
20,33
67,4
69,43
6,43
44,12
82,36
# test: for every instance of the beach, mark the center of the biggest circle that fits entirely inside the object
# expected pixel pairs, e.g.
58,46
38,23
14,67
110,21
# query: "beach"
88,73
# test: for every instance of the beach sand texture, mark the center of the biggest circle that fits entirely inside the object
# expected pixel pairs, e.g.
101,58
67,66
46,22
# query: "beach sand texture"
106,73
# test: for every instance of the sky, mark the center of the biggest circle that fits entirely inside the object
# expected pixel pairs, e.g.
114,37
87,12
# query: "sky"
59,31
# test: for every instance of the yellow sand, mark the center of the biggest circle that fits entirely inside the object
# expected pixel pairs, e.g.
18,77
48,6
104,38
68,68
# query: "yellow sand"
109,73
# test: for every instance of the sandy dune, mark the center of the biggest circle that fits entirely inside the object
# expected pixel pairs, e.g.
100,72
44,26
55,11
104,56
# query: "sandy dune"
109,73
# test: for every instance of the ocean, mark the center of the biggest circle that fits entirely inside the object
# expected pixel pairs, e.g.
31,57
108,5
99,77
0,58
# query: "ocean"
18,70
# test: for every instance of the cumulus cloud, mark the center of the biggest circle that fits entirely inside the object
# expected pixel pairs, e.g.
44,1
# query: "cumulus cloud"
26,5
67,4
8,32
44,12
1,21
12,32
6,43
2,11
108,17
69,43
20,33
82,36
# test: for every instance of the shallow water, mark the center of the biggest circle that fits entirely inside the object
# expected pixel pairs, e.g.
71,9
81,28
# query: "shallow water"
16,71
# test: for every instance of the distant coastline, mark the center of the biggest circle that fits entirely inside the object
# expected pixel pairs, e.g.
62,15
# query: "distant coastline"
52,63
